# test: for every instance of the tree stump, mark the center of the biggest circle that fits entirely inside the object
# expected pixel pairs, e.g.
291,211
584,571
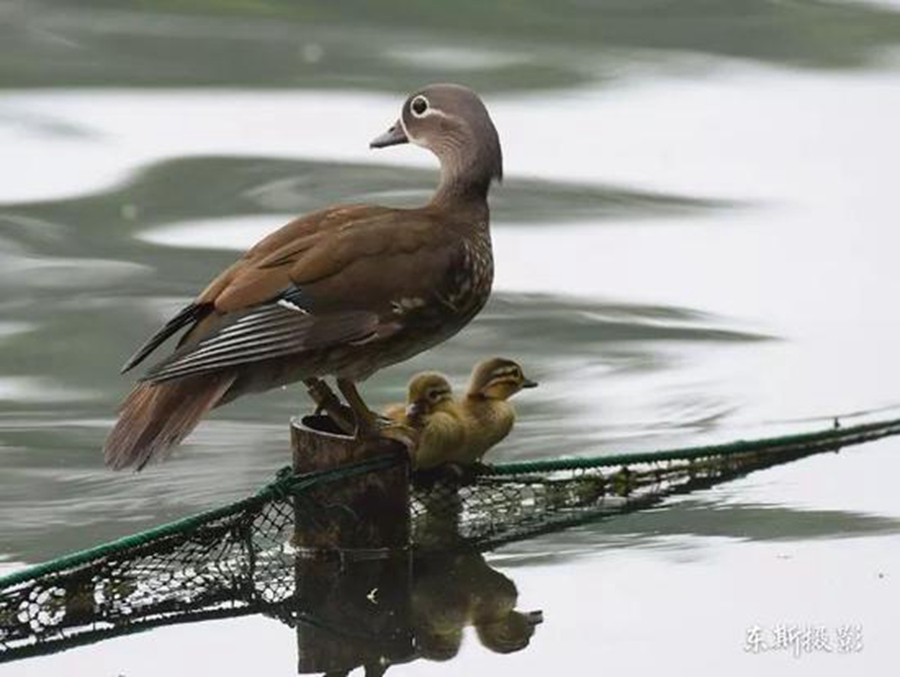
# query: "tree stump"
353,566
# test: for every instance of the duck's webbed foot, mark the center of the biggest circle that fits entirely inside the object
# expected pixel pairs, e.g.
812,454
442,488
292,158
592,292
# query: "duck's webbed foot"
370,424
328,402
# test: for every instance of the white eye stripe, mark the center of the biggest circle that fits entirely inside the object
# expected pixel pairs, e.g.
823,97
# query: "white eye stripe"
410,116
427,111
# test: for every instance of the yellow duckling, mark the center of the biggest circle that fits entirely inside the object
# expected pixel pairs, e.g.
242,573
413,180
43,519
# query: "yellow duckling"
488,413
461,430
431,410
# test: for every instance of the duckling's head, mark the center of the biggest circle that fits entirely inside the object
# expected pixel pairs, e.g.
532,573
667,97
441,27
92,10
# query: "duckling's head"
498,379
427,392
453,123
511,633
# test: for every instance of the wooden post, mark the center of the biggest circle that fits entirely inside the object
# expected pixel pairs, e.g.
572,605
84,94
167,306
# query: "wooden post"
353,566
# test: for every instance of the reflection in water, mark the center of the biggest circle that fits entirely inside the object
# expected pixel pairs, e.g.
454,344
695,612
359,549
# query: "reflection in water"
455,590
396,610
349,608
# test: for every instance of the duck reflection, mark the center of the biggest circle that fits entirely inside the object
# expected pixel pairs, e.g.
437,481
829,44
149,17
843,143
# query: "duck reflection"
387,612
453,591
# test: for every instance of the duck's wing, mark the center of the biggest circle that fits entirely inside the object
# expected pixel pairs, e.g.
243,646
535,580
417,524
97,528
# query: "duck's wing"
275,249
364,257
290,236
334,282
268,331
189,315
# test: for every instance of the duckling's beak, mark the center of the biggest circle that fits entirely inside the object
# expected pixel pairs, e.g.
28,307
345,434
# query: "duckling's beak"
392,137
534,617
528,383
414,409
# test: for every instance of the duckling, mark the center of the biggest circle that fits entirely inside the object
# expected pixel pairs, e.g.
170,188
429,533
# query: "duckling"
488,413
460,430
431,410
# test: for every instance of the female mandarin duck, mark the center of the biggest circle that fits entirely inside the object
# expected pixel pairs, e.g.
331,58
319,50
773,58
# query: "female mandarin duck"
461,431
341,292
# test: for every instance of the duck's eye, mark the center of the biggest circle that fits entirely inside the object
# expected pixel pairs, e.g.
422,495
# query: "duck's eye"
434,395
419,105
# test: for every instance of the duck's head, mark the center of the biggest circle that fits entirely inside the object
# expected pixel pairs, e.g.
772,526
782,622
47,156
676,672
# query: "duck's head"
453,123
427,393
498,379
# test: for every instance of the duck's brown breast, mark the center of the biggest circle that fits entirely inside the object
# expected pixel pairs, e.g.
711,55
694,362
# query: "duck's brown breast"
423,322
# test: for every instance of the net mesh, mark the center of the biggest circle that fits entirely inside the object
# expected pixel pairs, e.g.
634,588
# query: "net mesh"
242,558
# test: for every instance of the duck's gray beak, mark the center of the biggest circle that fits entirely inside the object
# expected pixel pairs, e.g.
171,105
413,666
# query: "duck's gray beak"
528,383
414,409
392,137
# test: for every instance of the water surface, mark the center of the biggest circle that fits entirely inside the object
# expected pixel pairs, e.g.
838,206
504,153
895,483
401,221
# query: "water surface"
696,241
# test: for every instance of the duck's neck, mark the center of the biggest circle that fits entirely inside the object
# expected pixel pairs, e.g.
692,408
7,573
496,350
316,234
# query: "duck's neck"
457,189
478,400
490,413
466,176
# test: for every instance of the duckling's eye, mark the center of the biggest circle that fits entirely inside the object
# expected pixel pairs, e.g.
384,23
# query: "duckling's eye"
434,395
419,105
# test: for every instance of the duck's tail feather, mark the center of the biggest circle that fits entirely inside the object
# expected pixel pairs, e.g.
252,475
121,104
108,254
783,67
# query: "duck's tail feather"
154,417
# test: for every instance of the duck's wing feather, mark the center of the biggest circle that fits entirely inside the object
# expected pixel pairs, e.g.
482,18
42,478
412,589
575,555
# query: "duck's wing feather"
267,332
318,282
188,315
272,252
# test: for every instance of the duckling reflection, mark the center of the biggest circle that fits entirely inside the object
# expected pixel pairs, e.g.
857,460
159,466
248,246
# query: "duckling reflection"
454,590
461,430
417,608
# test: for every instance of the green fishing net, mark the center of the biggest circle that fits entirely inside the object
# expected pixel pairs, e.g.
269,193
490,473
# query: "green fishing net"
253,557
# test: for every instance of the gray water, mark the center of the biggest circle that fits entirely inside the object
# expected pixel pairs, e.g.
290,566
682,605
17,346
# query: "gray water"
696,241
